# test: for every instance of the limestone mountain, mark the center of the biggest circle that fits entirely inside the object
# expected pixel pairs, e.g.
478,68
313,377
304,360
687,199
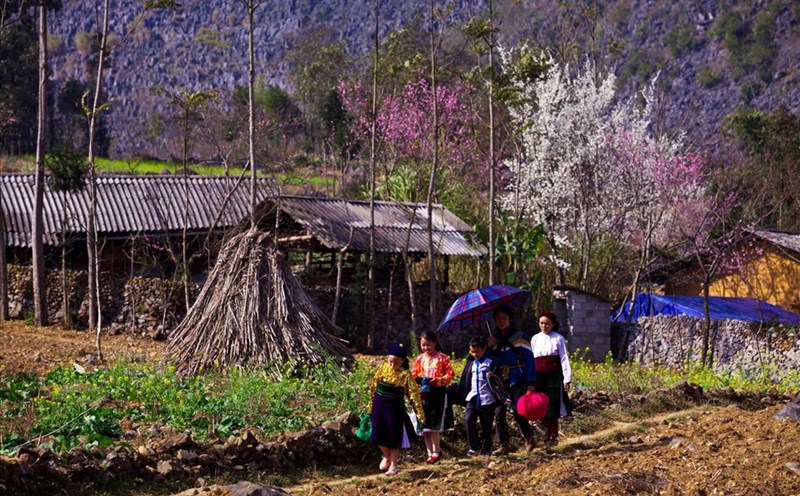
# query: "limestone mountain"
714,56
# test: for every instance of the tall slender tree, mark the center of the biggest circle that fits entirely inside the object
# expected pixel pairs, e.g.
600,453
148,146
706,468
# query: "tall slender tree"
37,242
370,300
188,103
93,113
434,169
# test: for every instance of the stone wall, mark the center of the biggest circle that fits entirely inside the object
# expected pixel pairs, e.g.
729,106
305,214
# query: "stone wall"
585,323
141,306
151,307
735,345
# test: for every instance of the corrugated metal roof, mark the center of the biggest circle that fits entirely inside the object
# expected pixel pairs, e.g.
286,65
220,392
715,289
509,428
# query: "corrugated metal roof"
783,239
154,204
128,204
338,223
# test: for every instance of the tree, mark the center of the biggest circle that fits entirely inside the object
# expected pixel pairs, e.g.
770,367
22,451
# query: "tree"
93,112
37,221
565,175
770,149
19,52
188,104
662,184
434,170
373,167
67,166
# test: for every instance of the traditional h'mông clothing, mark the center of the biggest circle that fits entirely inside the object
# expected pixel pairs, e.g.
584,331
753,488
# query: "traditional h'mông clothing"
436,367
391,426
552,372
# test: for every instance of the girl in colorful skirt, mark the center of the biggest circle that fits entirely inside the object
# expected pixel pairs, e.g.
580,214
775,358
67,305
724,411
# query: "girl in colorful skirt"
391,427
553,372
433,371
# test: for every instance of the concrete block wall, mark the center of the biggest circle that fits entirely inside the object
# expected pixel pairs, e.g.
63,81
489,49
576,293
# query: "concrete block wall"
585,322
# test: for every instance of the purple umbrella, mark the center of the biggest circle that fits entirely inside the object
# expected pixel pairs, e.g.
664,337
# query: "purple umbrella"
478,305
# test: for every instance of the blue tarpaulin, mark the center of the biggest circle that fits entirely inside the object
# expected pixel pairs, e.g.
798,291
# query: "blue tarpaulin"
749,309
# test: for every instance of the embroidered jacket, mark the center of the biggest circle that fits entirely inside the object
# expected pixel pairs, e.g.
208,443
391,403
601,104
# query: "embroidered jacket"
398,378
435,368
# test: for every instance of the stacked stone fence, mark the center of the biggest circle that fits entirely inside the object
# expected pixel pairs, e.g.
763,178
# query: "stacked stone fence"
152,307
736,346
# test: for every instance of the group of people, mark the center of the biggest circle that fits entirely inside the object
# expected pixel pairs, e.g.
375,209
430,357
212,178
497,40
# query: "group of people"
523,363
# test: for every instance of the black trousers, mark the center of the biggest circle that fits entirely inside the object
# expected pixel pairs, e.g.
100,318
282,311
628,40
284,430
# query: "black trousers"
484,414
501,419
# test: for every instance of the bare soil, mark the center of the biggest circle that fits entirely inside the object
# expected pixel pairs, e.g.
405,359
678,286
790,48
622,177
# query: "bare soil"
25,348
701,450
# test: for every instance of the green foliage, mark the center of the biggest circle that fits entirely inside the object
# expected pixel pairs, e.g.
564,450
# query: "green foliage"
631,377
73,408
682,38
641,64
768,177
212,38
67,167
750,43
18,85
708,77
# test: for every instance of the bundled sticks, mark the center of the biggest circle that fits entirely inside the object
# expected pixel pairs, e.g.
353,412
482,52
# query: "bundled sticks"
251,312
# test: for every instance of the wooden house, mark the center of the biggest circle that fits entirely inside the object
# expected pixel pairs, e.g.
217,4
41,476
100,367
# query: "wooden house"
760,264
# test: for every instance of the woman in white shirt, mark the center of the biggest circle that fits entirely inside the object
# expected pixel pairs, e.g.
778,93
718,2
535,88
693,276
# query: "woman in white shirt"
553,372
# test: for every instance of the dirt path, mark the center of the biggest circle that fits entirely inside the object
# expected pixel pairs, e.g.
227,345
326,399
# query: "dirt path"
699,451
453,466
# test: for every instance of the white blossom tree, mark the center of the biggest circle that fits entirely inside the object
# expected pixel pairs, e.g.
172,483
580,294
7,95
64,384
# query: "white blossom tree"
590,172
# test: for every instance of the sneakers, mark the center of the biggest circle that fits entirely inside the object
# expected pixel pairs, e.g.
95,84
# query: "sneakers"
472,453
502,450
392,470
384,464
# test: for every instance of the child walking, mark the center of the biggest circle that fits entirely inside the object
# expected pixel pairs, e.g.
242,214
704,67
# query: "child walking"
391,427
474,390
433,371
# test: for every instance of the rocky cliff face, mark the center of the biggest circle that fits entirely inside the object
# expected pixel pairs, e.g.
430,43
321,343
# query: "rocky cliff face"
713,56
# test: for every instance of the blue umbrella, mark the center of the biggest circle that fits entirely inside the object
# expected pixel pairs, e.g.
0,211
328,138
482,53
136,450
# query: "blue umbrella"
478,305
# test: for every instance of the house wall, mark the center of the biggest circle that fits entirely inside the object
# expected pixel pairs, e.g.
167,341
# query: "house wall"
588,327
765,273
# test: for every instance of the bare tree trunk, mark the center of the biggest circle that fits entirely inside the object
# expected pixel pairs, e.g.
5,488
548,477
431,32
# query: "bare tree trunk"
337,297
492,162
704,354
3,265
412,300
432,181
370,297
184,241
37,243
95,318
251,109
67,322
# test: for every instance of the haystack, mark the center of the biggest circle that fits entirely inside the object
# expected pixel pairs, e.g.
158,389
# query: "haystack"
252,311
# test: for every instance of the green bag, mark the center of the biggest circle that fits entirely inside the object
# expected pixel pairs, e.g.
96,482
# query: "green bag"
365,428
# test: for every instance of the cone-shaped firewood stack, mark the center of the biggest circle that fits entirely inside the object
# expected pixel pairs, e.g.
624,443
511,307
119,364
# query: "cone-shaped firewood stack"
251,312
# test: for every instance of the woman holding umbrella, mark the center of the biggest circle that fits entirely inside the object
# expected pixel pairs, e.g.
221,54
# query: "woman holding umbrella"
553,372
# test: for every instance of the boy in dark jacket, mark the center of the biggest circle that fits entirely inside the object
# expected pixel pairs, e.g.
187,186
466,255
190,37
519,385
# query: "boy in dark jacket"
474,391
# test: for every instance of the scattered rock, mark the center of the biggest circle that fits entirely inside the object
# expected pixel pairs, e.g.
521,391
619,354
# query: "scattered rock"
790,411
